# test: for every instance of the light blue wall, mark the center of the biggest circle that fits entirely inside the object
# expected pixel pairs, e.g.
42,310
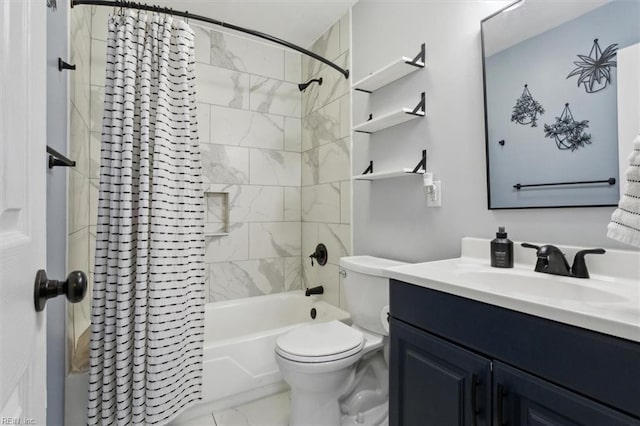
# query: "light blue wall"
543,62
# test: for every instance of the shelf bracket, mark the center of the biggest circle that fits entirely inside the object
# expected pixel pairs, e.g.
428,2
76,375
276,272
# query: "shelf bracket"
420,57
422,165
56,159
369,169
421,105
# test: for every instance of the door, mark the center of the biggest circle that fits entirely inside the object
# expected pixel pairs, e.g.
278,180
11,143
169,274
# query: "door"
436,383
521,399
22,209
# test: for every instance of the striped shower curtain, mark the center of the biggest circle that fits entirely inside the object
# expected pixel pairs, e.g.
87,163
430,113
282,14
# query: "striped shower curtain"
147,318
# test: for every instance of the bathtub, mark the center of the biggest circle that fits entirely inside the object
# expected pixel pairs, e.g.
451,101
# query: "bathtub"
240,335
239,362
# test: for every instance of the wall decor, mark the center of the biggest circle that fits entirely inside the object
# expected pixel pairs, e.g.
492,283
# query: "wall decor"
526,109
534,53
567,132
594,71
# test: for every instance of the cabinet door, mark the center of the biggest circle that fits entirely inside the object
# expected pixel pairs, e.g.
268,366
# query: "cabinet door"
435,383
521,399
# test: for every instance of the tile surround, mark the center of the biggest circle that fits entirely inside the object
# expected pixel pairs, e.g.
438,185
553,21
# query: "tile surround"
326,162
274,96
334,161
224,164
261,141
321,203
246,278
274,239
270,167
219,86
246,128
253,135
321,126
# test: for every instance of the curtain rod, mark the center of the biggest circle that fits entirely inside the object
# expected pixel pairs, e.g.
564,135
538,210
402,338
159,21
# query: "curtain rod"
187,15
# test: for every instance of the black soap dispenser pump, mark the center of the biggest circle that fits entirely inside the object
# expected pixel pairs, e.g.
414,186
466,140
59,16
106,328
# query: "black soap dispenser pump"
501,250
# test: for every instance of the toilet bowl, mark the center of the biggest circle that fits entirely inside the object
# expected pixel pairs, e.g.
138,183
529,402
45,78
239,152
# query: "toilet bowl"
320,361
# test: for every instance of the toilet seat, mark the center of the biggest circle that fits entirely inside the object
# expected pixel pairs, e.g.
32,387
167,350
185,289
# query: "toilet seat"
318,343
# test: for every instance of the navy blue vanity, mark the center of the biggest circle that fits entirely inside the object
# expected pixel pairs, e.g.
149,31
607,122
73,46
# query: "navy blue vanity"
457,361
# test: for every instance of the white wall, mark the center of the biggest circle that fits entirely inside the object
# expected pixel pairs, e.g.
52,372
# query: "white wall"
391,218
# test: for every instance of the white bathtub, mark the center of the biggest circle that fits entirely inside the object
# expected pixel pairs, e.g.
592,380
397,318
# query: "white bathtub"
239,361
240,335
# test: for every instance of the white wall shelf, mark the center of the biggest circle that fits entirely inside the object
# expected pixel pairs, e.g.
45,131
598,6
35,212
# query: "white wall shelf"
419,170
392,119
389,174
391,72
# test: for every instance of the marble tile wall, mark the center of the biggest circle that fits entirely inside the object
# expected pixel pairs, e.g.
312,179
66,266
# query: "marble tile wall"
326,161
282,157
249,119
249,123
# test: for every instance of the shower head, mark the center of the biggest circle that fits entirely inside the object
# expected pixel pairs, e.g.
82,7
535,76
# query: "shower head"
303,86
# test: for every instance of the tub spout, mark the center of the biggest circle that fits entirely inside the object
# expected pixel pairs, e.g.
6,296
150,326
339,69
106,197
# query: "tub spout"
314,290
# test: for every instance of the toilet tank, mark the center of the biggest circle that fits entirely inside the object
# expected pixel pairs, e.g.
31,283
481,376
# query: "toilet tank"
366,289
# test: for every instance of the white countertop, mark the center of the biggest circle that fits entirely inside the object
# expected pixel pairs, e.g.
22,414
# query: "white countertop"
608,302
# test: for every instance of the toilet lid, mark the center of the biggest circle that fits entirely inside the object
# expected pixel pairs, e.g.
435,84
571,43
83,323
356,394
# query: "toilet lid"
320,342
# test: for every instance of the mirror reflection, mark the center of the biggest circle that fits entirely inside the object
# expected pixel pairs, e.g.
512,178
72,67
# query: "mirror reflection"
551,101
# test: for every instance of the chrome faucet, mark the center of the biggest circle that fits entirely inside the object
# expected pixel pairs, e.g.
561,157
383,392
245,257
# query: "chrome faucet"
551,260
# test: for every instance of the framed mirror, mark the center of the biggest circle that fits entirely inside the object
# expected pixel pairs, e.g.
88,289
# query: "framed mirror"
551,101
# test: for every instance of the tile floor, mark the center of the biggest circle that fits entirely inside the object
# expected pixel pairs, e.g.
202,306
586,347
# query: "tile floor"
270,411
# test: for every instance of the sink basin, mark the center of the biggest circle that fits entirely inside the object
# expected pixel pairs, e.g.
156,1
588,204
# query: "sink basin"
608,302
519,282
541,286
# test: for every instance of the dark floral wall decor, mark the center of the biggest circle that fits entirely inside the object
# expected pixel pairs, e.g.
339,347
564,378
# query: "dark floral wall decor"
567,132
526,109
594,71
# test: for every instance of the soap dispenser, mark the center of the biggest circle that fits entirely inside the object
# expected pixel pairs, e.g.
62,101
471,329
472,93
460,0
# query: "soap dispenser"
501,250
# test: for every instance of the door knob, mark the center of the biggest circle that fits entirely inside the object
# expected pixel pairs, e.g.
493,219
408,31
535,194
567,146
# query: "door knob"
75,288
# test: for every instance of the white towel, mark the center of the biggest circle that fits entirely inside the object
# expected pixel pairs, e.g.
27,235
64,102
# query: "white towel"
625,221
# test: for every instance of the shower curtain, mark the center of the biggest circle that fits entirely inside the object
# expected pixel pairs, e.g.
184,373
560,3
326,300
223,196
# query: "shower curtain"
147,318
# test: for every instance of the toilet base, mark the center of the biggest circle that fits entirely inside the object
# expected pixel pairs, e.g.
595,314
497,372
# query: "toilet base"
377,416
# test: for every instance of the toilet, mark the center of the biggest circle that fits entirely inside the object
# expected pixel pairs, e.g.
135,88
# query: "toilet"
338,373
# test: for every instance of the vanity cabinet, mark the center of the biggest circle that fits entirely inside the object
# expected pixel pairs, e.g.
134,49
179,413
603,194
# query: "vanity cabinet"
456,361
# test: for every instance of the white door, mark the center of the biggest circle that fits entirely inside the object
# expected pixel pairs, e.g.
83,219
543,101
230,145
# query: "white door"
22,209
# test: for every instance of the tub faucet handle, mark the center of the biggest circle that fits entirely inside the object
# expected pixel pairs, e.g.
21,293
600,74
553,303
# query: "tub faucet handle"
321,255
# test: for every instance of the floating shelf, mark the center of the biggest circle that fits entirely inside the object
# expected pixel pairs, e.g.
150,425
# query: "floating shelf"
393,118
420,169
388,120
391,72
389,175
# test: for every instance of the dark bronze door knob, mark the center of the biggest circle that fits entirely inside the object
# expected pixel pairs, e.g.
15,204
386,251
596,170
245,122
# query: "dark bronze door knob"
75,288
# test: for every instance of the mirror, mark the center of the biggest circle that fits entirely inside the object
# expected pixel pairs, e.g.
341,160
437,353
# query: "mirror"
551,101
